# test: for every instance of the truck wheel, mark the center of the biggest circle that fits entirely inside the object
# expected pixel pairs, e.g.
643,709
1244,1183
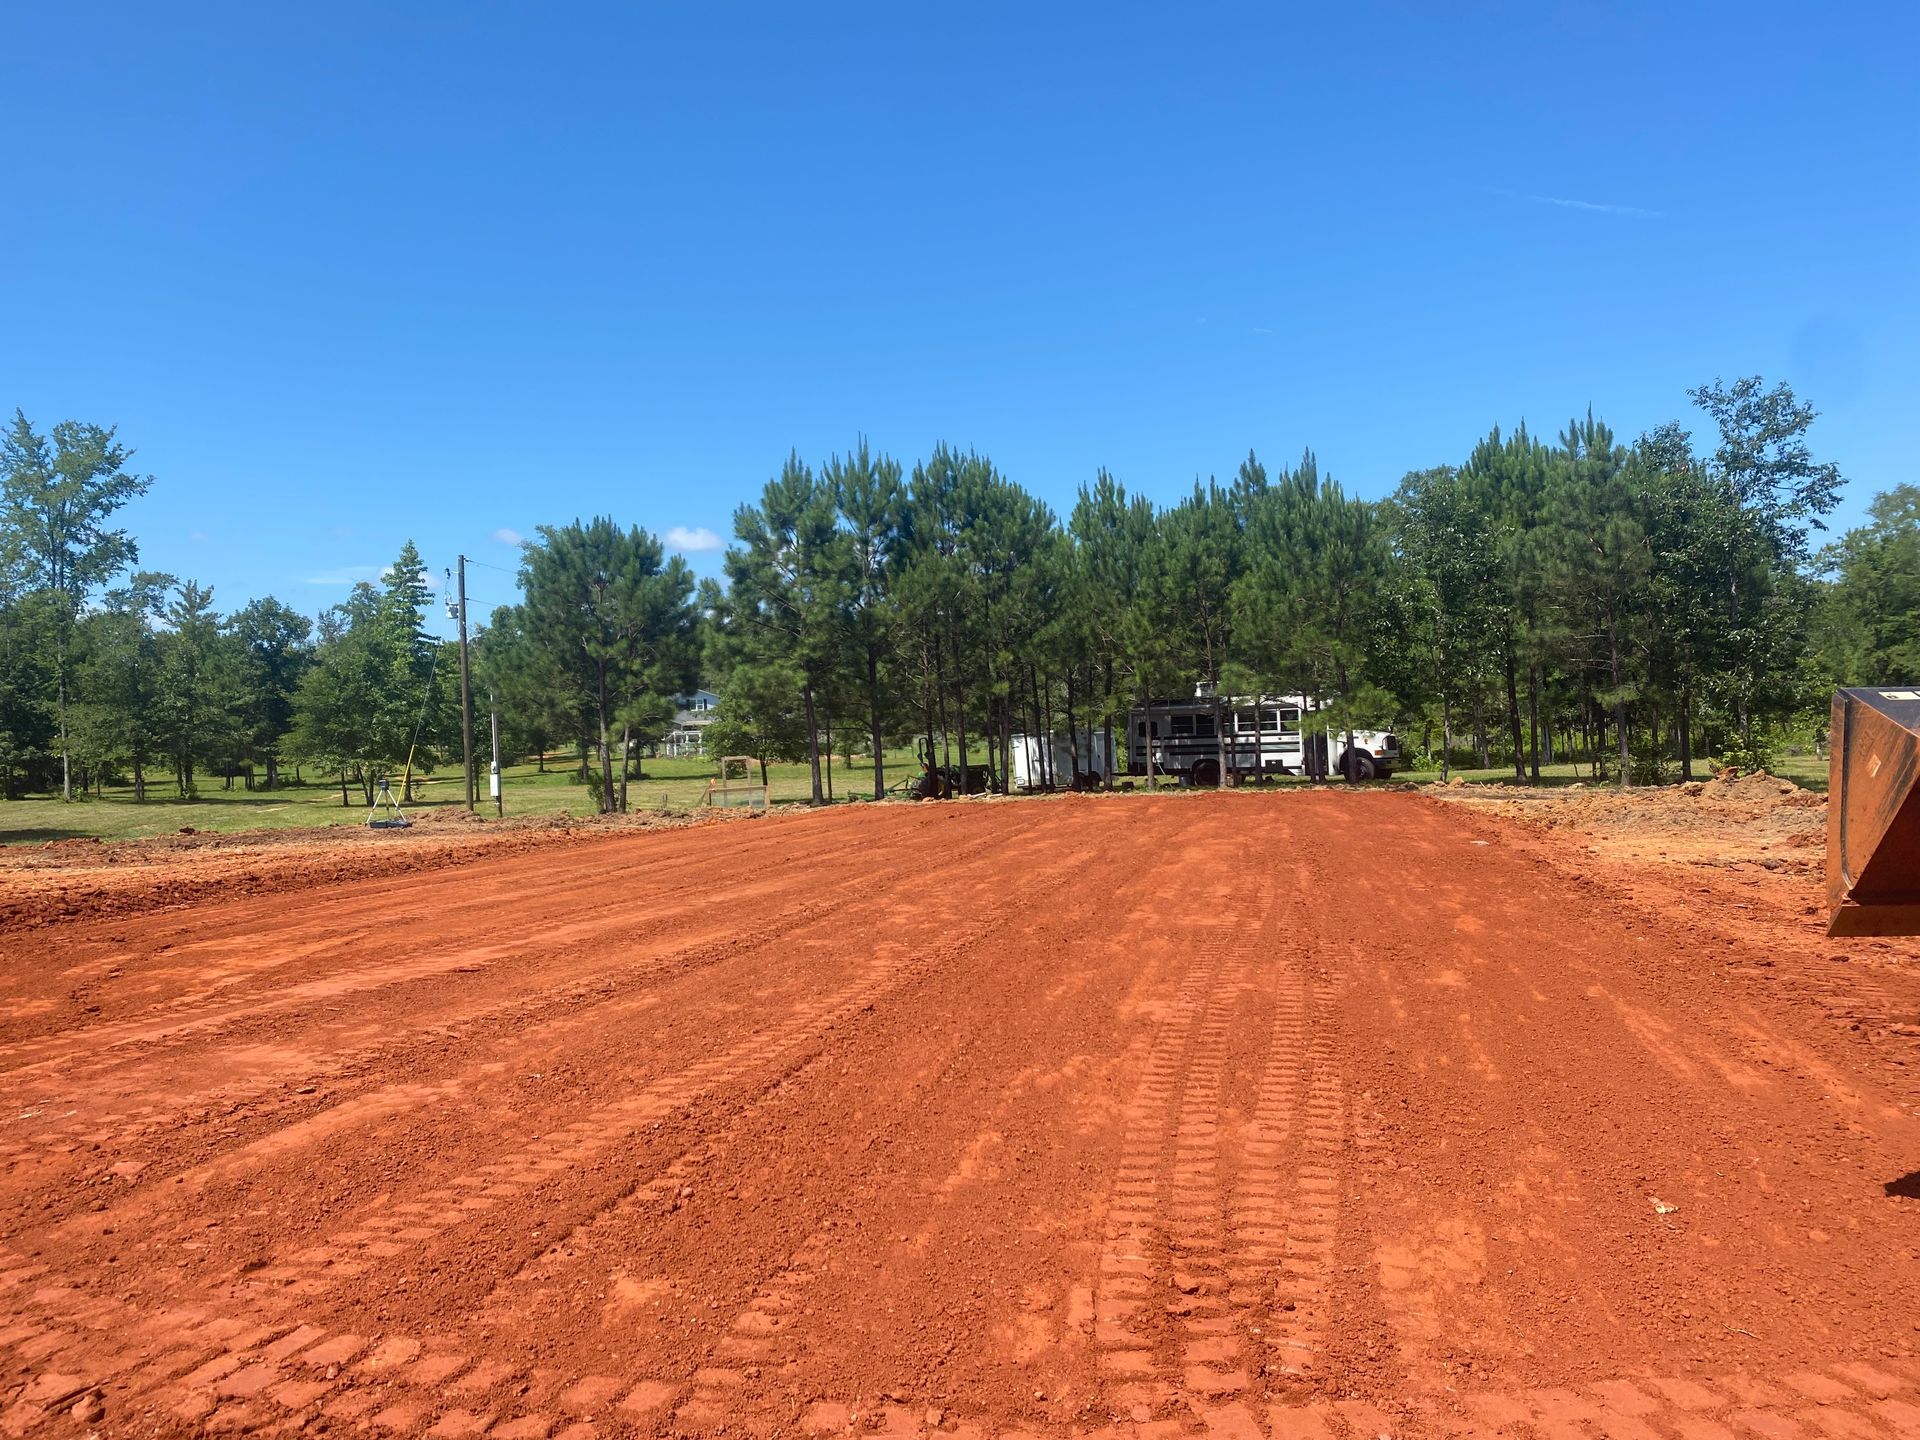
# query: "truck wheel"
1357,767
1205,773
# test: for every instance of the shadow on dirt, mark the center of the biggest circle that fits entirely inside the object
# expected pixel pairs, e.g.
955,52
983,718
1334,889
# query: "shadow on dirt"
1907,1187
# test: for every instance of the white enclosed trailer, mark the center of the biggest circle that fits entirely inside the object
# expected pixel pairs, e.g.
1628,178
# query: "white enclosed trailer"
1038,762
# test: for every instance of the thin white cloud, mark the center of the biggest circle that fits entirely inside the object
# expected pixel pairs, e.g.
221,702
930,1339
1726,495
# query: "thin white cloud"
346,575
696,537
199,537
372,574
506,535
1262,330
1592,207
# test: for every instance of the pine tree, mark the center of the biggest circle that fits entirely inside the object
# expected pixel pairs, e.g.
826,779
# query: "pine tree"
374,699
1508,479
119,678
526,685
783,581
1311,593
192,689
1871,637
1595,553
940,597
870,502
612,613
275,651
1448,590
1110,532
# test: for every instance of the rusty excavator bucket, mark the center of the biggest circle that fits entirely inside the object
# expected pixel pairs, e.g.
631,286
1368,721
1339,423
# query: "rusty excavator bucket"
1873,813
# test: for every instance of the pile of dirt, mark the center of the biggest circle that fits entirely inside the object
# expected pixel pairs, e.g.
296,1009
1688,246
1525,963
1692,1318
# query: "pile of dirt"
1735,817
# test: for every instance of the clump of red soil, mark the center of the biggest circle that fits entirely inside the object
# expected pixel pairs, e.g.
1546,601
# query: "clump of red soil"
1734,817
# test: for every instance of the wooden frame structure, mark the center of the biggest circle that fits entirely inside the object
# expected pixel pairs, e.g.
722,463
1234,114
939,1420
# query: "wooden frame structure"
724,792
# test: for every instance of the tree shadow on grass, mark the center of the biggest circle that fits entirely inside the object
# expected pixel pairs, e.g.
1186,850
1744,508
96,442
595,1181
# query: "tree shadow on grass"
41,834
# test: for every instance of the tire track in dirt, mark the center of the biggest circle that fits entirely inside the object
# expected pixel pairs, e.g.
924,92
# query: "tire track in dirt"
1133,1279
1235,1237
1548,1067
585,890
620,986
381,1238
759,1338
751,1063
230,1377
1297,1327
624,982
1209,1361
388,919
750,1343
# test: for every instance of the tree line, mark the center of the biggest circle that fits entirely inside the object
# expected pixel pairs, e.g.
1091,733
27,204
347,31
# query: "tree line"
1632,606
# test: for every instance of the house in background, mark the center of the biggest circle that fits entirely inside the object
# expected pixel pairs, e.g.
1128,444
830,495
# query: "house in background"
692,714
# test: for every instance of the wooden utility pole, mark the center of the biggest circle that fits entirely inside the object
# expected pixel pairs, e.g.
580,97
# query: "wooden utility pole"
466,690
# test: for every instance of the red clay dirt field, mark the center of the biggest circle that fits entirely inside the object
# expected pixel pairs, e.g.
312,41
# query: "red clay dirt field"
1314,1114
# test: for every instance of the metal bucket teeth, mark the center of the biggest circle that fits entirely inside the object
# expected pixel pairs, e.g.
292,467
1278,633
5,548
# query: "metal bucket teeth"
1873,813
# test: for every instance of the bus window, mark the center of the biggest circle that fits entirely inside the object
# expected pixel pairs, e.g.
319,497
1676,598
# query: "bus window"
1203,725
1269,719
1246,722
1182,724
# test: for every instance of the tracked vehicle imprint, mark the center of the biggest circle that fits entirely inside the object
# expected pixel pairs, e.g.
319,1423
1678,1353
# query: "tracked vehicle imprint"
1195,1152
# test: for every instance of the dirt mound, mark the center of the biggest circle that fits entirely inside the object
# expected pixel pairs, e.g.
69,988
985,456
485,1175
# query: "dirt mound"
1733,817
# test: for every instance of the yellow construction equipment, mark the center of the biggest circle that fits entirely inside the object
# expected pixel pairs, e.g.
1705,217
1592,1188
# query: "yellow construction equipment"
1873,813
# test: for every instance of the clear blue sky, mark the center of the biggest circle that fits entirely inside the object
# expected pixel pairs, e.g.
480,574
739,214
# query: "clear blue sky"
345,273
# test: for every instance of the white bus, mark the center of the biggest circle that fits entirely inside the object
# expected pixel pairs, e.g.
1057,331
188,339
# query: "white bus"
1195,740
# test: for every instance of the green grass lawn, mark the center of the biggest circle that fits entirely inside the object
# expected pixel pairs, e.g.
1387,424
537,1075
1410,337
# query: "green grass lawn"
674,784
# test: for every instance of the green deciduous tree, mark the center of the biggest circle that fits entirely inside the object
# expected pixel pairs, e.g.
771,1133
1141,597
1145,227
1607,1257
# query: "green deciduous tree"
29,729
1779,494
55,503
1869,626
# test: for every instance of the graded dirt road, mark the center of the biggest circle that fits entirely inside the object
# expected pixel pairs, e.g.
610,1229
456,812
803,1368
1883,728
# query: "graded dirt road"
1314,1114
